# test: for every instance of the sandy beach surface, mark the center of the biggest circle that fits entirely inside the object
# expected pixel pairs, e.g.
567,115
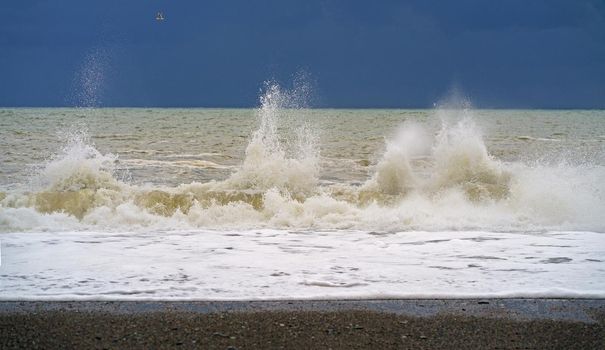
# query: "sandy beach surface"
350,324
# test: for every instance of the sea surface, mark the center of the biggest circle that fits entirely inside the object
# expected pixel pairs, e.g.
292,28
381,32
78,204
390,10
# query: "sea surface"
280,202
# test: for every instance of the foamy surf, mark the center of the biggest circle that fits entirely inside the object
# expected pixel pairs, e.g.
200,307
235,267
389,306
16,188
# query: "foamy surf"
276,264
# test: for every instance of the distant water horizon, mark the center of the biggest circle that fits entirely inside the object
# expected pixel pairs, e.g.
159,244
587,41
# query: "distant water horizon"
519,108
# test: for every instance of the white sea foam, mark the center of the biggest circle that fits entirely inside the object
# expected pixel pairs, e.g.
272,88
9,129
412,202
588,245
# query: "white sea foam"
273,264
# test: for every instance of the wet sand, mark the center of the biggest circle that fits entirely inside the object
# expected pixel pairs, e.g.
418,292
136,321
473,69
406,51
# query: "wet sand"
378,324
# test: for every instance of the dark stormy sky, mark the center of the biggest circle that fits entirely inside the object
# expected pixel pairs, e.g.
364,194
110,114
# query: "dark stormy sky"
502,54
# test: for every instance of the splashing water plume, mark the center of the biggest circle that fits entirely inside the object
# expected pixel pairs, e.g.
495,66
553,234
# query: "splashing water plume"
462,161
90,79
267,164
394,173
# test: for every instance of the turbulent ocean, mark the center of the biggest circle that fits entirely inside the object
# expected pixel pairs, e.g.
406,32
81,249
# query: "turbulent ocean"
286,202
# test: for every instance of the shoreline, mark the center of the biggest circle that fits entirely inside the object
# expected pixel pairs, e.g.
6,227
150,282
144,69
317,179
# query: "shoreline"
404,323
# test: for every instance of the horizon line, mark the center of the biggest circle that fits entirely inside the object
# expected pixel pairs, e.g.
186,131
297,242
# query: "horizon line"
306,107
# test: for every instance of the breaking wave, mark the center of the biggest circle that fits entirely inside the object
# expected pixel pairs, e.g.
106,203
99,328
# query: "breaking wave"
423,181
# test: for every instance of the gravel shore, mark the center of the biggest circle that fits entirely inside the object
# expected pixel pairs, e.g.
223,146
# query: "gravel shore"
390,324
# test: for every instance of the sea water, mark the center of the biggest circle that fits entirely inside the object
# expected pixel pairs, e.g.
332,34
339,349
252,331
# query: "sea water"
283,202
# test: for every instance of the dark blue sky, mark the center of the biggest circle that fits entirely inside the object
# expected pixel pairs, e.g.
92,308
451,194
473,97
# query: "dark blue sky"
514,53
